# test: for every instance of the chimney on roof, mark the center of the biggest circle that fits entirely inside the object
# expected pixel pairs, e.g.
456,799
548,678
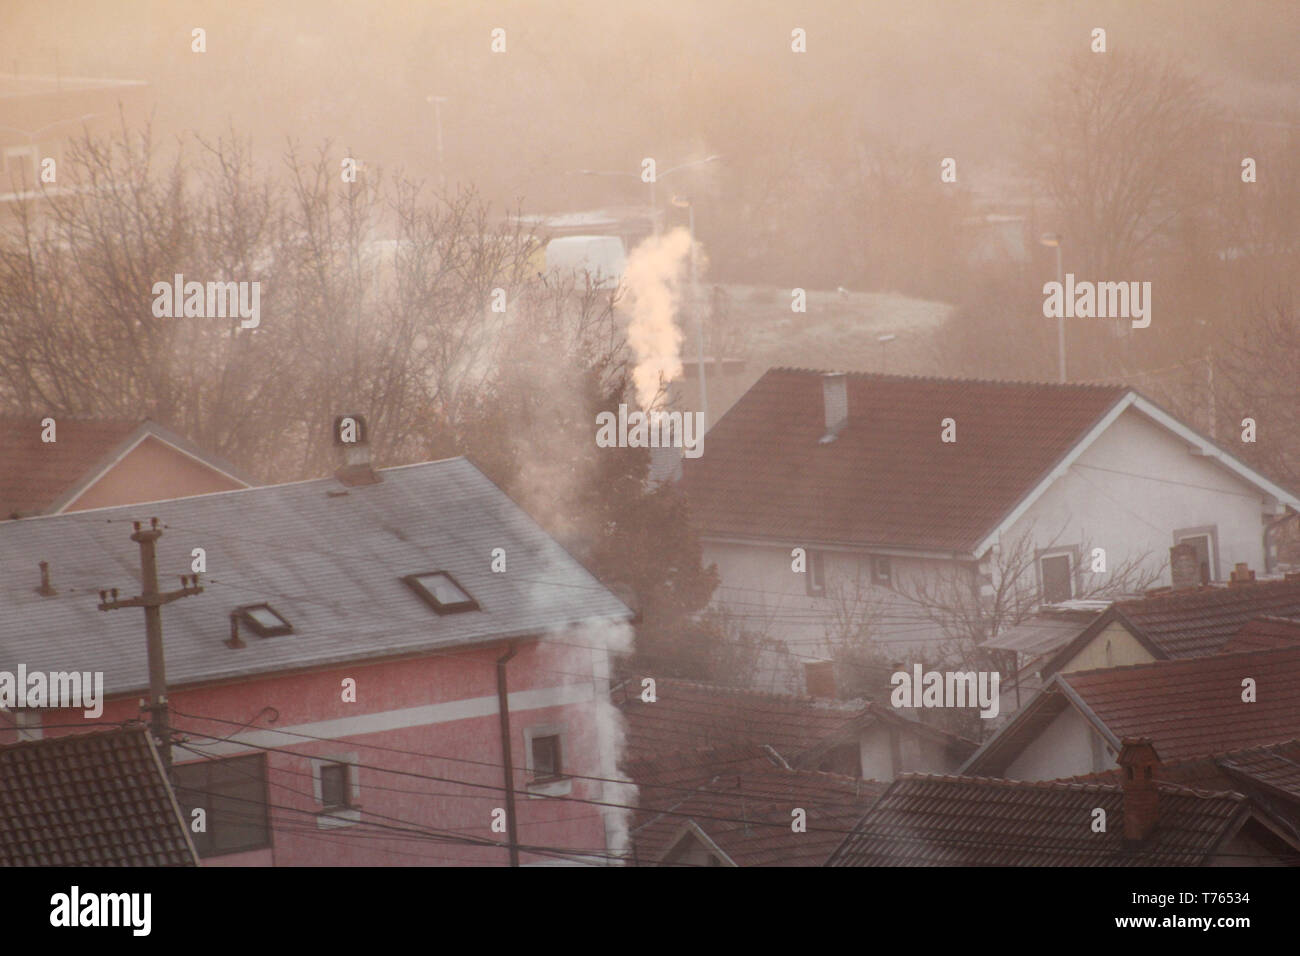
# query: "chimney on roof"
234,641
353,437
819,678
1138,762
1184,566
46,589
1241,575
835,398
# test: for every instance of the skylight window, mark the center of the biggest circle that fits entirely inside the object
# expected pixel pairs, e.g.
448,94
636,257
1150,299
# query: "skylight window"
439,590
264,620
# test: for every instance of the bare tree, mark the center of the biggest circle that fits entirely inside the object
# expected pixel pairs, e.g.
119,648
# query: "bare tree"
1116,149
972,602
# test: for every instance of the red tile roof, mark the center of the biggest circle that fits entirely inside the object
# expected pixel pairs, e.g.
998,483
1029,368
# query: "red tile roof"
1201,621
34,474
1269,776
887,479
1188,708
1194,707
1265,633
746,810
969,821
94,799
689,716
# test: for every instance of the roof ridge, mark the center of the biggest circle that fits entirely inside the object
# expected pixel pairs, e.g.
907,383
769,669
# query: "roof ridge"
1061,784
855,705
1204,660
950,380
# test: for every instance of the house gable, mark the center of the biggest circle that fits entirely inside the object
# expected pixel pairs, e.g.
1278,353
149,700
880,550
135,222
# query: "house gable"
1068,746
151,469
1111,646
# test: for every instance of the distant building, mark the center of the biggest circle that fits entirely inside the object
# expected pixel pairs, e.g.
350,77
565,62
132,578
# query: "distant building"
335,690
887,482
97,463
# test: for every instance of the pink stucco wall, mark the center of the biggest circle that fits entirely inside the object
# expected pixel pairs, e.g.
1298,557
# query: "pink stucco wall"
462,751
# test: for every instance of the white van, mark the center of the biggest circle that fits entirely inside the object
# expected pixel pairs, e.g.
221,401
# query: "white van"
601,258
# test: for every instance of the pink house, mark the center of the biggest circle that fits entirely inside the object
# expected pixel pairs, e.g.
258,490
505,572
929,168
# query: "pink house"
334,691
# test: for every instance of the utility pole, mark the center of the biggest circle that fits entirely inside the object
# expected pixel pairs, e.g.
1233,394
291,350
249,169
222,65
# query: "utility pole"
152,601
503,709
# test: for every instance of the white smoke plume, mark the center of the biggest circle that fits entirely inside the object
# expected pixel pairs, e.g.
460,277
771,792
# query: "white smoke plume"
588,648
652,280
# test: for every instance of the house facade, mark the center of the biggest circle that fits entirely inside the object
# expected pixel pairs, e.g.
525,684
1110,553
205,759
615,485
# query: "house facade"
831,502
56,464
335,691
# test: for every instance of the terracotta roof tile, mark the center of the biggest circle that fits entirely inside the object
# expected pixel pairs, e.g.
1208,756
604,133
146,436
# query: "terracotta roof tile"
95,799
1194,707
690,716
886,479
1265,633
1202,621
970,821
743,802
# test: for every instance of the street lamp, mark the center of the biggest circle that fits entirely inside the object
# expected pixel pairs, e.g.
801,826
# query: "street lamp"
684,202
1053,240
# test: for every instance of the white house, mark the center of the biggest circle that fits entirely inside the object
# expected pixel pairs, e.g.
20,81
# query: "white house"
824,498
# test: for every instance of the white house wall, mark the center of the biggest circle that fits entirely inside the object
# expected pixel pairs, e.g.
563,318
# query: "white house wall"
1133,488
1067,747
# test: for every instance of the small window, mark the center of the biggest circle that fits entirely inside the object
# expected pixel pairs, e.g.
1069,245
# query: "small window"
439,590
335,786
1056,579
232,794
546,757
881,573
815,579
264,620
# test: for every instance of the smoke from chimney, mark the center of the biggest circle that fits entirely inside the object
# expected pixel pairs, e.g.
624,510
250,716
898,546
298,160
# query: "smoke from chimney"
652,279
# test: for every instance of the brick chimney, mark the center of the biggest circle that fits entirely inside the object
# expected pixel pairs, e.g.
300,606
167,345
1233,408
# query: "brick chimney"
1184,566
1242,574
1138,764
819,678
353,437
835,398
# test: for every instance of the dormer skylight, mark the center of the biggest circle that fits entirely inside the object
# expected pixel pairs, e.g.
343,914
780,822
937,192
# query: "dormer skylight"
439,590
264,620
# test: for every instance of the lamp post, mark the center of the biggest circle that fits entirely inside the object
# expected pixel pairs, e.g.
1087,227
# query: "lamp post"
680,202
1053,240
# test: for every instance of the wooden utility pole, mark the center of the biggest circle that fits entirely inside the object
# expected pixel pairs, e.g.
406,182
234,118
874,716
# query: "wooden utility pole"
503,709
152,601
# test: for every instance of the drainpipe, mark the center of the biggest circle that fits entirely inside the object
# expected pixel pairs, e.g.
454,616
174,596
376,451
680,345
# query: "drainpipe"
503,708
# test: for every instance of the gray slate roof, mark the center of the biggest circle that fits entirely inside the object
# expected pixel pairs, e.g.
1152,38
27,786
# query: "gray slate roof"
329,563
